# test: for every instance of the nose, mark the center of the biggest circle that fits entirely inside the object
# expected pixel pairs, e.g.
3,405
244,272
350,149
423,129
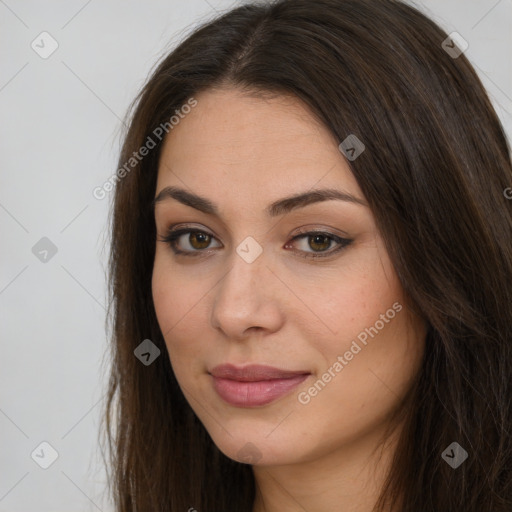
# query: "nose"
247,299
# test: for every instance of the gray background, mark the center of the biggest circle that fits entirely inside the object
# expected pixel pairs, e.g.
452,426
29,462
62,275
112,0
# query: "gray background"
59,139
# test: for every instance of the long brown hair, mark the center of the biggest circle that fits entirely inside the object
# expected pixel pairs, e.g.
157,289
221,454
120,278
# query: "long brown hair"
434,171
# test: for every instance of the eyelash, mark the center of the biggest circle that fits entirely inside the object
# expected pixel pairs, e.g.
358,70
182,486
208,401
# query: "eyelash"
174,234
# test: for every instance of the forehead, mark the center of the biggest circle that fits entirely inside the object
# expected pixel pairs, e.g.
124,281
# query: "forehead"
257,145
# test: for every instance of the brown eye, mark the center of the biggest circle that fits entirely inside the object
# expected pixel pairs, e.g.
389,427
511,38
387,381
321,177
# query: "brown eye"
193,242
319,242
199,240
188,241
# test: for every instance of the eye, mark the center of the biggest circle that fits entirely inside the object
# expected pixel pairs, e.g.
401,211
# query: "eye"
321,243
194,240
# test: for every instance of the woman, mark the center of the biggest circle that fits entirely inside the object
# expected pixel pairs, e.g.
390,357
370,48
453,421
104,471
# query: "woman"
311,271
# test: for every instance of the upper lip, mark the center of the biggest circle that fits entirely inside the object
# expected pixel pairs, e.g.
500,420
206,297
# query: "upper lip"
253,372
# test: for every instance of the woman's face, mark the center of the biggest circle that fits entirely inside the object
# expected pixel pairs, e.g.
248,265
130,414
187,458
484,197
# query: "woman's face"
256,285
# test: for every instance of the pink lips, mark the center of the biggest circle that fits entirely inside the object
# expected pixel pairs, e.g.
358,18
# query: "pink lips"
254,385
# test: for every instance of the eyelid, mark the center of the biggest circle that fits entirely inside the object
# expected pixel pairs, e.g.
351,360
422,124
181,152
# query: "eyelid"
316,228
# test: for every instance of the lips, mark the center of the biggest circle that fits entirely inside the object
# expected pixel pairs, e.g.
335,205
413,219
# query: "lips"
254,385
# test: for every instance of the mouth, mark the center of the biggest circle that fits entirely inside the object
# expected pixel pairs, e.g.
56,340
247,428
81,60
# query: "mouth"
254,385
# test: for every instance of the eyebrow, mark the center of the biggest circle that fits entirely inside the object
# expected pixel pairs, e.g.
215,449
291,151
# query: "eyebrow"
278,207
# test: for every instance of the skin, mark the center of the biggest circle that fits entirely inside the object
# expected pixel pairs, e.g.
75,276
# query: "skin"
242,153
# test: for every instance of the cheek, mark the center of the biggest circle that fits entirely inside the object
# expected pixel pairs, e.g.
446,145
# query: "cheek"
366,322
348,299
175,293
163,286
181,309
177,304
354,395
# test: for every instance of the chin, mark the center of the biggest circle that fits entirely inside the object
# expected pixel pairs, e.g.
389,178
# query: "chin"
256,447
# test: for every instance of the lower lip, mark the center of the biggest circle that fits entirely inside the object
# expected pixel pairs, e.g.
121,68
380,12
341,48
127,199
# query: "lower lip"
252,394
